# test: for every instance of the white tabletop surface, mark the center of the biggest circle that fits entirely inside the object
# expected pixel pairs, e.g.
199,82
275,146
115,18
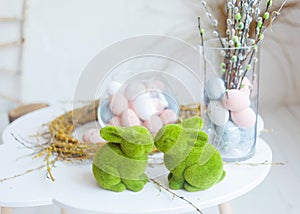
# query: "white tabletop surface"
76,190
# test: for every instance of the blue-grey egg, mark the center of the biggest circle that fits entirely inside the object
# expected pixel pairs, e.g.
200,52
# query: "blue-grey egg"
247,135
217,113
215,88
104,112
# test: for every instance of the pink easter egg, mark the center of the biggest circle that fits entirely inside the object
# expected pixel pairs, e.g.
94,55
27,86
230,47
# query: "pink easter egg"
235,100
129,118
133,90
245,118
145,107
118,104
115,121
246,91
168,116
93,136
246,86
154,124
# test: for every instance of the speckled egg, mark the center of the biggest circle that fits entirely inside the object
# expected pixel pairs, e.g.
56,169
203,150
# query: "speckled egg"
92,136
133,90
104,111
229,134
118,104
130,118
113,87
215,88
217,113
168,116
145,107
245,118
235,100
154,124
247,135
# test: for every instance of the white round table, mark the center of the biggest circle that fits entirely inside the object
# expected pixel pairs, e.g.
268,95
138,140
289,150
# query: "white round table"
75,189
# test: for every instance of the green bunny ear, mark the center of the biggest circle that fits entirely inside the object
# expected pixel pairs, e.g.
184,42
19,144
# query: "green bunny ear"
113,134
193,123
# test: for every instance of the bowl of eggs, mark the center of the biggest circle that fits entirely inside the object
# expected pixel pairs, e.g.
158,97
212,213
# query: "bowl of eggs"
149,98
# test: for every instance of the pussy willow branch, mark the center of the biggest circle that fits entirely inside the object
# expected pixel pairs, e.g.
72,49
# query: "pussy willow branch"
176,195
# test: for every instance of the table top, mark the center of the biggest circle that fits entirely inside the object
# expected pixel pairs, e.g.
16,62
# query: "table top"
76,190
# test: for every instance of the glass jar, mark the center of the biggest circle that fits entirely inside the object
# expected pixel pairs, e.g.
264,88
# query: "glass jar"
230,97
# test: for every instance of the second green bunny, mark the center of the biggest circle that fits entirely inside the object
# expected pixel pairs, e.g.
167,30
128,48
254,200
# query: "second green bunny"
194,164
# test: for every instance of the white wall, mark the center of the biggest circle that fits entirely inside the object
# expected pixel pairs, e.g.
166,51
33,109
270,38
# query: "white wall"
63,35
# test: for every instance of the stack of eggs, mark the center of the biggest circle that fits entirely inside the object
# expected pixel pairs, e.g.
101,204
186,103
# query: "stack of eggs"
230,111
145,103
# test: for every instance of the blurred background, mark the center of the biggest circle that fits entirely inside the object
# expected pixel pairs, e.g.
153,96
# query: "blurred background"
46,44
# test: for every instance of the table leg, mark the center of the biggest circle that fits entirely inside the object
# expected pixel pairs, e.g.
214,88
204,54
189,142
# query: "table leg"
225,208
63,211
6,210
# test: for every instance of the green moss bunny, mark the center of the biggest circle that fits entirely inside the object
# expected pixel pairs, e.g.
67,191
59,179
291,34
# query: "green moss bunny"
194,164
120,164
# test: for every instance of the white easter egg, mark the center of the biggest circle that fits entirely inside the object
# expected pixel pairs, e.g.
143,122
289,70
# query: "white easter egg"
245,118
217,113
146,107
113,87
215,88
235,100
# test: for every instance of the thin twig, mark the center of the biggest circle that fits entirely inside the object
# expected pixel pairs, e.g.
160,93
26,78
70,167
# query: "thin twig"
18,139
255,164
21,174
176,195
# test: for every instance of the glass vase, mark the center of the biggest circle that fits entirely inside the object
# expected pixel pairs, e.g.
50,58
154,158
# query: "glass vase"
230,97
